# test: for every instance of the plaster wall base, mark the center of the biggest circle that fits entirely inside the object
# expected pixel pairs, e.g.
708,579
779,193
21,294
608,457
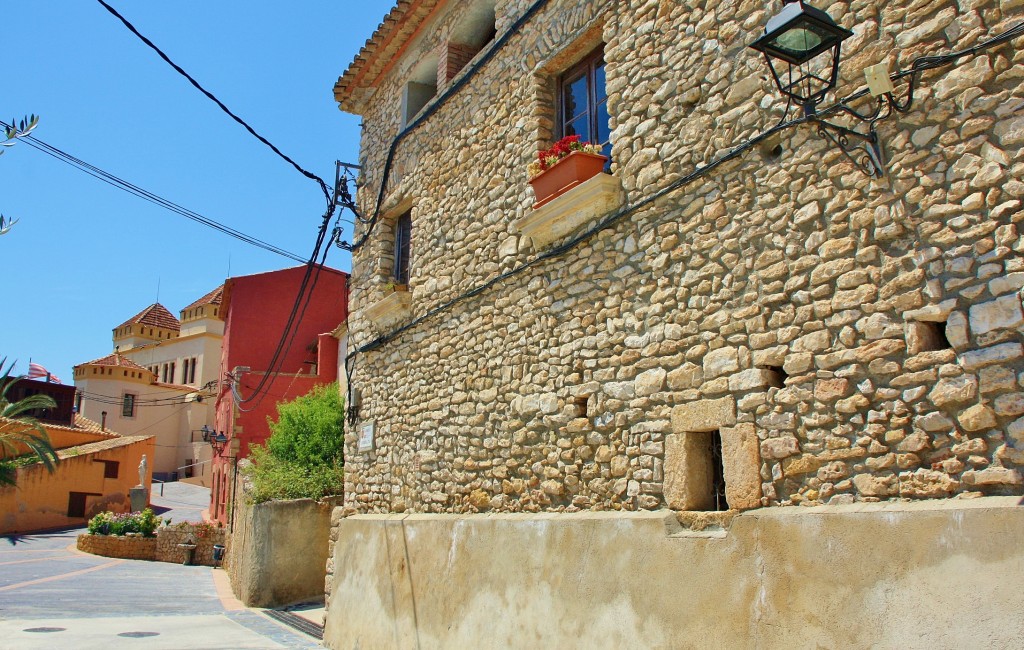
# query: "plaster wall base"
911,575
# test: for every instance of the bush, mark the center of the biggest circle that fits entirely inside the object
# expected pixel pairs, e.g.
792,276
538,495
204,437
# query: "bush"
109,523
276,478
309,429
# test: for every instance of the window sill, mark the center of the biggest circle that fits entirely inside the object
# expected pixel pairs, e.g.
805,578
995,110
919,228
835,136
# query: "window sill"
590,199
391,309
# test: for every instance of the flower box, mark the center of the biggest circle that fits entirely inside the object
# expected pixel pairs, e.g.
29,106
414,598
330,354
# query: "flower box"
567,173
390,310
564,214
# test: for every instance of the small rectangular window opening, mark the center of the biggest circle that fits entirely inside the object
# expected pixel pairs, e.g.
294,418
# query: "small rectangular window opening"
581,406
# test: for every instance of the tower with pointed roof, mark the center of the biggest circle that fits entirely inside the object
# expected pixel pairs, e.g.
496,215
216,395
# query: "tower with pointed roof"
160,380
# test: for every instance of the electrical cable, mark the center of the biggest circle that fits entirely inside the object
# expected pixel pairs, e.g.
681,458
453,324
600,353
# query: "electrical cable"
929,63
146,195
220,104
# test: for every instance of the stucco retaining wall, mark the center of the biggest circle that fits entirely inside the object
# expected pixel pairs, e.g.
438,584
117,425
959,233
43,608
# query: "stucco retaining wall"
278,551
935,574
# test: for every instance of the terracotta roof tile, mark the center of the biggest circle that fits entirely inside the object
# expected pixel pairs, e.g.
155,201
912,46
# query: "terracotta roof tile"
81,425
212,298
115,359
102,445
391,36
156,315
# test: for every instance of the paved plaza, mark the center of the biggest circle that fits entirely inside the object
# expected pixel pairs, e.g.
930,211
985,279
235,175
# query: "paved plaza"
53,596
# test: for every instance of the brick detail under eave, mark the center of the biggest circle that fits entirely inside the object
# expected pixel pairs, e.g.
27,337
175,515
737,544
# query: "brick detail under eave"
452,58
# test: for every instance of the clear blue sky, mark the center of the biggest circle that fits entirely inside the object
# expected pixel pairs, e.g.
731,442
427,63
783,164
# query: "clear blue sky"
85,256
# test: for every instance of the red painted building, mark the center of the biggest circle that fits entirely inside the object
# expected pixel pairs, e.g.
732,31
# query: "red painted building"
255,309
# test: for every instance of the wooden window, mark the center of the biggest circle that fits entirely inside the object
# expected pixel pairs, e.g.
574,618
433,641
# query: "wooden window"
110,468
583,101
128,405
77,503
192,372
403,248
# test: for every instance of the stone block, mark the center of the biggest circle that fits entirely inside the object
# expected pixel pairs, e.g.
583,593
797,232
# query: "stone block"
1011,404
977,418
954,390
1002,313
688,471
752,379
720,362
989,356
876,486
778,448
649,382
956,330
995,476
704,415
741,464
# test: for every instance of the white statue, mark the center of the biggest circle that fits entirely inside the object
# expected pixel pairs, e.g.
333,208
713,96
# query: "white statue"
142,471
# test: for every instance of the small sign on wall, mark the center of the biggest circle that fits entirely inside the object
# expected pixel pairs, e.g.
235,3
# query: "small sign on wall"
366,436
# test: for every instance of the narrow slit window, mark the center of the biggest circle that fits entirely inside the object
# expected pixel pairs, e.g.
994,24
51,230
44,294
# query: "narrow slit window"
403,248
717,472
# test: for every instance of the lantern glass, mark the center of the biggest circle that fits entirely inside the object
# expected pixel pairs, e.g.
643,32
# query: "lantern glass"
796,35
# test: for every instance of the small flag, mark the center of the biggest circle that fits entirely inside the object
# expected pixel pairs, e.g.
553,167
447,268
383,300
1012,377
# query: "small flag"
36,371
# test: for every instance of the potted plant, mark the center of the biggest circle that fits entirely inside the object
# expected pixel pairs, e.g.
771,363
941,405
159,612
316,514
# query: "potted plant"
392,287
565,165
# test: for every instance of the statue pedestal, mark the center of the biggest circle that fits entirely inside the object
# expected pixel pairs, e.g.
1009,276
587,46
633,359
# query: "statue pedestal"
139,498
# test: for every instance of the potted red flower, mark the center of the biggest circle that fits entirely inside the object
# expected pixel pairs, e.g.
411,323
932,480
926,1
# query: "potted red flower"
565,165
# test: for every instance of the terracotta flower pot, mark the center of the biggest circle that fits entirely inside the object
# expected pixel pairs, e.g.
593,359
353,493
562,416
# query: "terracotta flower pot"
566,174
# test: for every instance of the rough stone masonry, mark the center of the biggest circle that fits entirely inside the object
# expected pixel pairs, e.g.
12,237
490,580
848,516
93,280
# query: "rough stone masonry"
848,338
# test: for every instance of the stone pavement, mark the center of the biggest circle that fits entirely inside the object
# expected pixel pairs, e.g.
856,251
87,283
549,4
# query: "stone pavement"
52,596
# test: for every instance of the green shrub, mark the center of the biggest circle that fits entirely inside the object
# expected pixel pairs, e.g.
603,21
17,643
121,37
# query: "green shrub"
275,478
309,429
109,523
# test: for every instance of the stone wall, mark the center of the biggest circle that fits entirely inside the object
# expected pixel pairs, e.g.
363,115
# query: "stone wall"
279,550
169,537
937,574
850,339
129,548
162,548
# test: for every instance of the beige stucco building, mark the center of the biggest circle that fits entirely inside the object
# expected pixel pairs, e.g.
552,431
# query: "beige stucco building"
160,380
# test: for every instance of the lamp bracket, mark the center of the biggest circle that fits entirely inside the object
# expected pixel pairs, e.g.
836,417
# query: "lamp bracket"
866,155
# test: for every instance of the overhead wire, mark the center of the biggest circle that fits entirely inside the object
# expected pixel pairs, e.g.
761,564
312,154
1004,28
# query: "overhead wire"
213,98
120,183
309,280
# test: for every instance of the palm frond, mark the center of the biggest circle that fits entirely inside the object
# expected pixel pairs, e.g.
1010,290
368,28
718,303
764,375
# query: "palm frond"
19,431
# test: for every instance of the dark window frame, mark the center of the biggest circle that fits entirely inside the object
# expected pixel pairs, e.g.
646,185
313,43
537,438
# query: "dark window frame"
111,468
402,248
128,405
597,95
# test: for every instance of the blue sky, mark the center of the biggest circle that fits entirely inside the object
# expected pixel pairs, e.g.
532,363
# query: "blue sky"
85,256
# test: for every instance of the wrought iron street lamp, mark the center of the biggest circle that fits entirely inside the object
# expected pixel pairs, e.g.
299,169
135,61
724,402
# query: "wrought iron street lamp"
218,441
797,36
802,47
